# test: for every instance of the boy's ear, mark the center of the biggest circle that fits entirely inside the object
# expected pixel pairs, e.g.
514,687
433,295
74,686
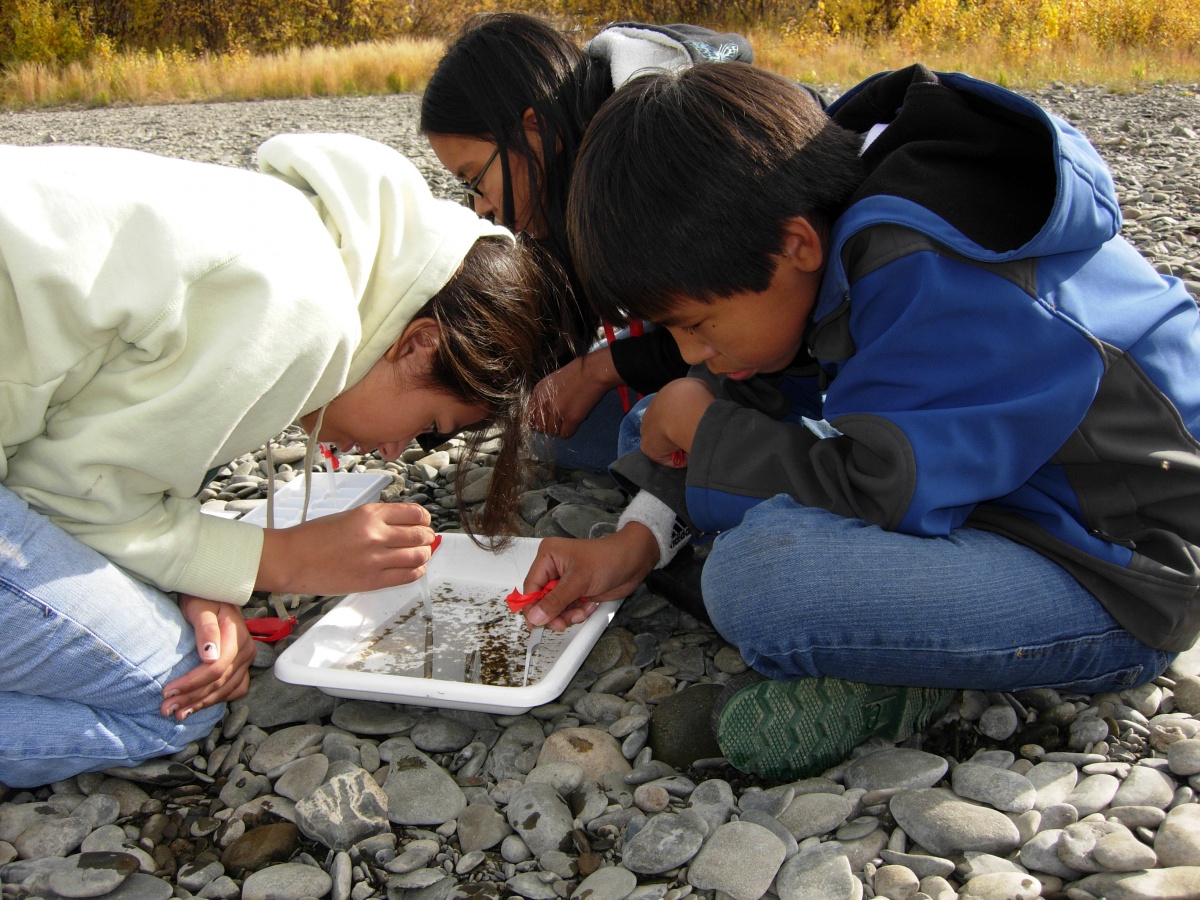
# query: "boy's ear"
802,244
416,343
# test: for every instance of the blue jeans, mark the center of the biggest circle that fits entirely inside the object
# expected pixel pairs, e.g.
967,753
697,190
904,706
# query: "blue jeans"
593,447
629,437
802,592
85,650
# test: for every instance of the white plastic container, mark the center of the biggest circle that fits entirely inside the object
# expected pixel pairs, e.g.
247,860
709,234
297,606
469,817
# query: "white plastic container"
378,645
350,489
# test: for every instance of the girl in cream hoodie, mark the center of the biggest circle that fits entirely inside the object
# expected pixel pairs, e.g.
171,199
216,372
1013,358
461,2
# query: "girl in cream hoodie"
159,318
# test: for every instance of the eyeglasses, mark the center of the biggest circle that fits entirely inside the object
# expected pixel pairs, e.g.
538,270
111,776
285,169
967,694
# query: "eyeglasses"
431,440
470,188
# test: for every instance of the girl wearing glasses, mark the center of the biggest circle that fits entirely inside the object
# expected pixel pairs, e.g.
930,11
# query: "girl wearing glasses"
505,111
164,317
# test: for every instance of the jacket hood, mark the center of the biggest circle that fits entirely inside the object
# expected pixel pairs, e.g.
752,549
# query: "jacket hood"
631,48
986,172
400,245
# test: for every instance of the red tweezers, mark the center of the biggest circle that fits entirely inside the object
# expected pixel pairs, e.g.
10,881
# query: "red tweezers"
517,601
270,629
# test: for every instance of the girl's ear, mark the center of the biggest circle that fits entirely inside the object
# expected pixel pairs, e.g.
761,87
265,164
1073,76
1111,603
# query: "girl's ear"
416,345
533,132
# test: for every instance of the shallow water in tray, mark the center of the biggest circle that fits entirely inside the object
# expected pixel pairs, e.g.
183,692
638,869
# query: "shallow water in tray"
473,637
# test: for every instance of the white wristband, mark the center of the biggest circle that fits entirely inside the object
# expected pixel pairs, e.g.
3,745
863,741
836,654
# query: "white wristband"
670,533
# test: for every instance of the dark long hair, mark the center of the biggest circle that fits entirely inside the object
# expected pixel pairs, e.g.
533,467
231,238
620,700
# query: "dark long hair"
490,319
498,66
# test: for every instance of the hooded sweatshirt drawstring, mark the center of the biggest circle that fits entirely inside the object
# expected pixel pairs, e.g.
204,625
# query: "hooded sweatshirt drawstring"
271,629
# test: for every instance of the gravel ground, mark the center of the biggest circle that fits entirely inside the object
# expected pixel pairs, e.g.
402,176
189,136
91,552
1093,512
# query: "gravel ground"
296,795
1148,138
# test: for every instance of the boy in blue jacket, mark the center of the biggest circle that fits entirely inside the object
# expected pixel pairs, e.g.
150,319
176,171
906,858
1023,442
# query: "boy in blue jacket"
941,416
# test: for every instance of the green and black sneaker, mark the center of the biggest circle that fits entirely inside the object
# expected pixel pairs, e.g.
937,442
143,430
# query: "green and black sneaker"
786,730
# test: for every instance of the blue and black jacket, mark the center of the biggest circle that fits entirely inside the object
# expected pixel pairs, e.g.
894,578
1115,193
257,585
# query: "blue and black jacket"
991,352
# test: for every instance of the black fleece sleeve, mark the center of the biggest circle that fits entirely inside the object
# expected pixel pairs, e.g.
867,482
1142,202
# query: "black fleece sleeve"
757,396
868,472
649,361
635,472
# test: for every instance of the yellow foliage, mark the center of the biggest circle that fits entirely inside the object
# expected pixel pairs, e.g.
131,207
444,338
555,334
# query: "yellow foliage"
102,51
40,31
1023,28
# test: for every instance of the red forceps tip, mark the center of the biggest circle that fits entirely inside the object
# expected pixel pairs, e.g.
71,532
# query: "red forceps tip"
330,456
678,458
270,629
517,601
437,542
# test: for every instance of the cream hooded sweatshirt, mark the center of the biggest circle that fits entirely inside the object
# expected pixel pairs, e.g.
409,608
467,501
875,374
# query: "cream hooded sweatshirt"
160,317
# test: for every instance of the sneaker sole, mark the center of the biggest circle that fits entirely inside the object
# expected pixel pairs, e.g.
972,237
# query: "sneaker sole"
796,729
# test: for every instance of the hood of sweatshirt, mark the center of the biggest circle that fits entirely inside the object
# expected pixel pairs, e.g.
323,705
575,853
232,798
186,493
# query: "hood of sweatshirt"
980,169
400,245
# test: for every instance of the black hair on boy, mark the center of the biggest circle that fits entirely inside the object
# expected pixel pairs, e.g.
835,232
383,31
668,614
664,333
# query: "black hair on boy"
684,181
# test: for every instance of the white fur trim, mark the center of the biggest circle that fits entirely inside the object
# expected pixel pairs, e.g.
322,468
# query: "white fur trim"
637,51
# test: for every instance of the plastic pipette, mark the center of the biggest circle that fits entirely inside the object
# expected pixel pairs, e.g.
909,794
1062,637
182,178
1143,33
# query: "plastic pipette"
423,582
332,464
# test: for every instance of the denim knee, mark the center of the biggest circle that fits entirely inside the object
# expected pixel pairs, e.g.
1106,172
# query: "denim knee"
196,727
165,736
727,584
629,437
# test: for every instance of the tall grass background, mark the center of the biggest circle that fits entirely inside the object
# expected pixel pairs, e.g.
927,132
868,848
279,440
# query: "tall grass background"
98,52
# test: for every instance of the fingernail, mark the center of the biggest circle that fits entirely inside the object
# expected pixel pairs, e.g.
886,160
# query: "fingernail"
537,616
185,714
171,709
209,652
167,695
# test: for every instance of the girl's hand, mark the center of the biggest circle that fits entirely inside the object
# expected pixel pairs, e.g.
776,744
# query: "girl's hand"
589,571
363,549
226,649
565,397
670,422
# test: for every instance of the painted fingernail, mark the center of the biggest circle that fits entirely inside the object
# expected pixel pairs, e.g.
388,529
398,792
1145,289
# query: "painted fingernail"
185,713
171,709
209,652
172,692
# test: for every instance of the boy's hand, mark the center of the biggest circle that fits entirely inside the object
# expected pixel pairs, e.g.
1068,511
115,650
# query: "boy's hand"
226,650
671,420
363,549
565,397
589,571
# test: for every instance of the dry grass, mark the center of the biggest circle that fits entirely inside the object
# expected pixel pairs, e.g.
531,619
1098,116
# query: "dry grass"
813,55
1119,43
847,60
144,78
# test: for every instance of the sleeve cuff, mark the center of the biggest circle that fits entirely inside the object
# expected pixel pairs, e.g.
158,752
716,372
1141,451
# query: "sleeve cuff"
225,565
670,533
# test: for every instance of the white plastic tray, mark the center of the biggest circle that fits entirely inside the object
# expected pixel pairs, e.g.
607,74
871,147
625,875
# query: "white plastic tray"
378,645
350,489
